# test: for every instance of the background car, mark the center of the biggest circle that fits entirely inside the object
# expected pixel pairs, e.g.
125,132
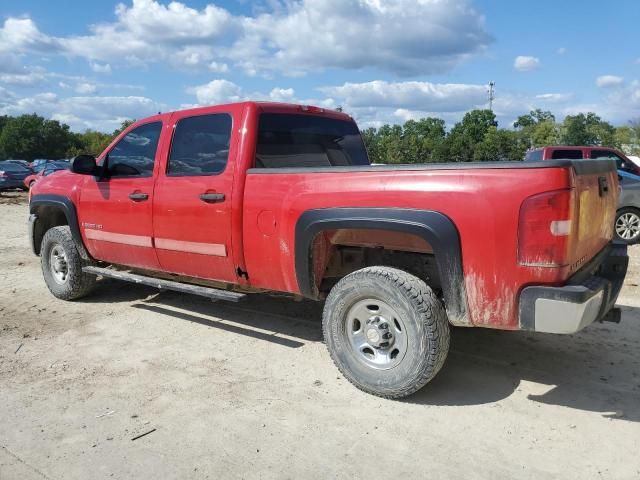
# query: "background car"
12,175
628,216
578,152
47,169
24,163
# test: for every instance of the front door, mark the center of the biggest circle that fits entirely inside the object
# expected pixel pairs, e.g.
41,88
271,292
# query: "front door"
115,213
192,202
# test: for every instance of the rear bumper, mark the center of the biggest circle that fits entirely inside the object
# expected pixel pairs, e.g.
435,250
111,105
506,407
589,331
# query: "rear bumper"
588,296
7,183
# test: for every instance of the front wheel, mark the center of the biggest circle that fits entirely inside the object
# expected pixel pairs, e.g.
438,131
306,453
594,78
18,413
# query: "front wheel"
62,265
628,225
386,331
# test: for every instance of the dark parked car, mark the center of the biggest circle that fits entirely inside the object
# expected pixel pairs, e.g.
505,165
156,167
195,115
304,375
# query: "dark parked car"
12,175
24,163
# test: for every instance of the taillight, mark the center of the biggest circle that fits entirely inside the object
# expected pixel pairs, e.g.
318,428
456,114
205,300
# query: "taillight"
544,229
2,174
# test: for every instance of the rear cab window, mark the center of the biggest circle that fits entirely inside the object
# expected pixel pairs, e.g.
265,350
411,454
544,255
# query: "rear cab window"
288,140
567,153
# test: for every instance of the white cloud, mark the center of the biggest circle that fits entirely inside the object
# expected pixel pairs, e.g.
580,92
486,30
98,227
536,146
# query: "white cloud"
402,36
100,68
217,67
554,97
561,51
216,91
525,63
292,37
82,112
423,96
86,88
606,81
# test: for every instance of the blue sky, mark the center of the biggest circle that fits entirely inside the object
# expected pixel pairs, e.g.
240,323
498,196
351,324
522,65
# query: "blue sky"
94,64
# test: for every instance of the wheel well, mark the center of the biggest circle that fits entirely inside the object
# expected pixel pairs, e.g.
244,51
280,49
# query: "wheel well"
337,253
48,217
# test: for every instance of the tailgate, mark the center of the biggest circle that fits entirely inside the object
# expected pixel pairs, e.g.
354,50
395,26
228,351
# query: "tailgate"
596,194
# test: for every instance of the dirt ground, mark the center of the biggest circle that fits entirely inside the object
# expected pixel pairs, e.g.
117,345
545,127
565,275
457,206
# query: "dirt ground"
248,390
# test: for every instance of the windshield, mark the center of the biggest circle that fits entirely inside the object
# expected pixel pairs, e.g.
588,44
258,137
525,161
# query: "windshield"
12,167
290,140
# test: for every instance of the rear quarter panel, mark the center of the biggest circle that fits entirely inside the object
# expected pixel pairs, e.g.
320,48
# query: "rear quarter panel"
483,204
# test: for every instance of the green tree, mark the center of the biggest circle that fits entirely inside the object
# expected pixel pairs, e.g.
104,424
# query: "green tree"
123,126
533,118
29,137
421,139
536,128
370,139
90,141
587,129
499,145
469,132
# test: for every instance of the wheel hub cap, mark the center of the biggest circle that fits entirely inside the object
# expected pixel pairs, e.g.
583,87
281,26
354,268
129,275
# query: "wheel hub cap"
376,334
59,266
628,226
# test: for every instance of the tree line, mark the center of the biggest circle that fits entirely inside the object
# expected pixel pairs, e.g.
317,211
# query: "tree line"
475,138
28,137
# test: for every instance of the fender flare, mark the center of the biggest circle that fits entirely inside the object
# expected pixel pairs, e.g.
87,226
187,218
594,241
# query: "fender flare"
434,227
67,207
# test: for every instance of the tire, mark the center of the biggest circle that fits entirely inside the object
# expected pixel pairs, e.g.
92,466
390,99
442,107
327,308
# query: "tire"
627,226
31,184
389,367
59,255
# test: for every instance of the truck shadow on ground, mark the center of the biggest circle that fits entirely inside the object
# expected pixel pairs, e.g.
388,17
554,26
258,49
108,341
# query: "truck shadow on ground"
596,370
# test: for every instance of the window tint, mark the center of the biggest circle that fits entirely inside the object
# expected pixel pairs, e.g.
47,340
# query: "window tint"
289,140
200,145
605,154
567,154
533,156
134,154
12,167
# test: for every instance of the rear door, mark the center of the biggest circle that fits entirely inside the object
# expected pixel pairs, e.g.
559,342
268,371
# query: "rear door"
115,214
192,204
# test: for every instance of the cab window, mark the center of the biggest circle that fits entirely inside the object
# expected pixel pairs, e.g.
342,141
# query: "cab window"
567,154
135,153
200,145
606,154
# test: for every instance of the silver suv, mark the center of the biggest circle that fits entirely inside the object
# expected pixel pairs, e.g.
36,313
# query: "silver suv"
628,216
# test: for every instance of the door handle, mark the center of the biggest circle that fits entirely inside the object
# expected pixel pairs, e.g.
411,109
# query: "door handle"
212,197
138,196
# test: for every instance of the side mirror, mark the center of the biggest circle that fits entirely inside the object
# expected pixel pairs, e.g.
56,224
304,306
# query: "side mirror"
84,165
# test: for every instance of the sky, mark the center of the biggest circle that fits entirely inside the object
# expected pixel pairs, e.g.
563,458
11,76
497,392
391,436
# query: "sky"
93,64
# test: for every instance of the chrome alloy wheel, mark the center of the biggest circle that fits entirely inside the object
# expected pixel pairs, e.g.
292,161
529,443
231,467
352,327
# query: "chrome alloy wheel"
628,226
59,264
376,334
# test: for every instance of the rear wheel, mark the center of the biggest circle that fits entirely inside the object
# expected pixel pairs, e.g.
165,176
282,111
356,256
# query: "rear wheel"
386,331
628,225
62,265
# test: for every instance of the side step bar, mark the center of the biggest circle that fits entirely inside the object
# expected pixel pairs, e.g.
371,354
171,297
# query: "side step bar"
213,293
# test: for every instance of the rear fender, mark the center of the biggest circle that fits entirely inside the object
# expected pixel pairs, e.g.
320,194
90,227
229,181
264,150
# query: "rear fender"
434,227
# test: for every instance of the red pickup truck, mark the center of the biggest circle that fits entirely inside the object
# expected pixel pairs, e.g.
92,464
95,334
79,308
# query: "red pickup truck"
227,200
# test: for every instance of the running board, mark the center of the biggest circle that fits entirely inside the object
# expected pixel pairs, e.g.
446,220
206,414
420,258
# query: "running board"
213,293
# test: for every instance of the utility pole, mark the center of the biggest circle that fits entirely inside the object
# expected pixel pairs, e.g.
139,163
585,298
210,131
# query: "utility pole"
492,94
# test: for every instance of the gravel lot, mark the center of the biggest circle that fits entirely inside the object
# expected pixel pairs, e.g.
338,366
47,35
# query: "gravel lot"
248,391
